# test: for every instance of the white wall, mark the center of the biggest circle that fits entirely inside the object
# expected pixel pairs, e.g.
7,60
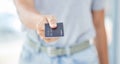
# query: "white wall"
116,38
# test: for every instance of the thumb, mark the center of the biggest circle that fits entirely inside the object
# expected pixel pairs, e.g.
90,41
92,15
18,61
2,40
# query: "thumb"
52,22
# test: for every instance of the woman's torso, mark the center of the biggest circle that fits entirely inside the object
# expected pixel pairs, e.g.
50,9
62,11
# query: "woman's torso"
75,15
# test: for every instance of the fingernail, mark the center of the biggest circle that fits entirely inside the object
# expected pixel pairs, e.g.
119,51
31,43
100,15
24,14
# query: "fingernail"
54,26
42,38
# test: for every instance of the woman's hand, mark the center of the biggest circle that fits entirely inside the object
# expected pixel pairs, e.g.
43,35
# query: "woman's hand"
51,20
32,19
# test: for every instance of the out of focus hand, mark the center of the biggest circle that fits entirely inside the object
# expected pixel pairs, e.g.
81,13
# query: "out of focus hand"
41,27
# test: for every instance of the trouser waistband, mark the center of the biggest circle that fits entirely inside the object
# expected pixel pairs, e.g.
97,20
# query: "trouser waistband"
54,51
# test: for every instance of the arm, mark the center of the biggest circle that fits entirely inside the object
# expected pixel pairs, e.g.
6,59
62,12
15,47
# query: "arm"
100,40
32,19
27,13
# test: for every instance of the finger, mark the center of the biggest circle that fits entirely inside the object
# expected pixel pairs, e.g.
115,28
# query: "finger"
41,28
41,34
48,40
52,21
41,25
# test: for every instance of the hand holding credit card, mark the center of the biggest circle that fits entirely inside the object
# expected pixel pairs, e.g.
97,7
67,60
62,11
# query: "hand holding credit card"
54,32
48,29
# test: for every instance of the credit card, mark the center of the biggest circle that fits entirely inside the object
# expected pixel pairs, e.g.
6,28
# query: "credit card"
56,32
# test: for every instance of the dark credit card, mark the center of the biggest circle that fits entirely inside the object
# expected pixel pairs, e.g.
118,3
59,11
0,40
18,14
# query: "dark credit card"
56,32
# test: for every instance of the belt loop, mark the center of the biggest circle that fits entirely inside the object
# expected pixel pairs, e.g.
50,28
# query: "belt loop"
39,49
68,51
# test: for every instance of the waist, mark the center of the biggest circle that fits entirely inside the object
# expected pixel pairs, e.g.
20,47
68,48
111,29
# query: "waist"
62,42
56,51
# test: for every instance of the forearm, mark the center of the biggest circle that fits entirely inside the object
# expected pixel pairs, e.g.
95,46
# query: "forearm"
101,39
101,45
27,13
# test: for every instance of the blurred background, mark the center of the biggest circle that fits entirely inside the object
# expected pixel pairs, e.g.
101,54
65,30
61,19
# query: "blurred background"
12,37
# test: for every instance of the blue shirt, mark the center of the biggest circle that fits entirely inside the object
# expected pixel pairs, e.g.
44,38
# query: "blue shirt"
76,16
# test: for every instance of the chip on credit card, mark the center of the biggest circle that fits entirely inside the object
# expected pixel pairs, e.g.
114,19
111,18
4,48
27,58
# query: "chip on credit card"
54,32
